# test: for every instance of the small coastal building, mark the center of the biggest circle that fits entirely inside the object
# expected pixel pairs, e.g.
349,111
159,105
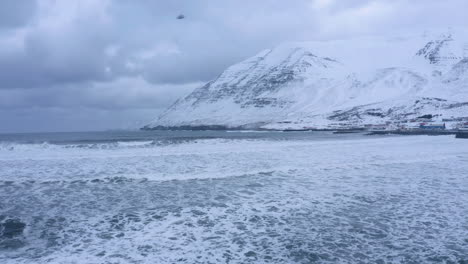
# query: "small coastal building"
432,126
463,126
378,127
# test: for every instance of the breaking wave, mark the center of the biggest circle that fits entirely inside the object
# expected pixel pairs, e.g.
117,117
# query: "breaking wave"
8,146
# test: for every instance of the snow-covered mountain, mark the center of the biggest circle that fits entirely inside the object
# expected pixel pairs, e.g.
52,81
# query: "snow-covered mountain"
370,80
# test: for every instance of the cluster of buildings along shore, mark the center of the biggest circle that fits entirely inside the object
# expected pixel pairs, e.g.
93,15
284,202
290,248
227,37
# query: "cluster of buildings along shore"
423,123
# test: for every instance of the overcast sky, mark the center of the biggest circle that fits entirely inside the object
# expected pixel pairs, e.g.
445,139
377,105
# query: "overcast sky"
79,65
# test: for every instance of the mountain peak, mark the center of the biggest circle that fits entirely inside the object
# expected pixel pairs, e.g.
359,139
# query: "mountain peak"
309,82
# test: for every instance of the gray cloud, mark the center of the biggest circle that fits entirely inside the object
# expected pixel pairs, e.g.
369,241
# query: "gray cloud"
16,13
79,56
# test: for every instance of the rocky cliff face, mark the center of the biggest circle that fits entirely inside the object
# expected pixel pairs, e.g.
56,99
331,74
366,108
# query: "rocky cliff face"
319,84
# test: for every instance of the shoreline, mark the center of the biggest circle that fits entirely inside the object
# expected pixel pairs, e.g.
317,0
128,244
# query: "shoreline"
460,134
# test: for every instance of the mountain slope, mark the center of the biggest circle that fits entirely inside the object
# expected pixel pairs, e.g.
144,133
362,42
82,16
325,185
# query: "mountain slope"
316,84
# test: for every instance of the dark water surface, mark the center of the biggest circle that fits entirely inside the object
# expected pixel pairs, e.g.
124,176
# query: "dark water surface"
130,136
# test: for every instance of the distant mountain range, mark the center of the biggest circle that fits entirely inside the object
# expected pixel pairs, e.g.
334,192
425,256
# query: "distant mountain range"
354,82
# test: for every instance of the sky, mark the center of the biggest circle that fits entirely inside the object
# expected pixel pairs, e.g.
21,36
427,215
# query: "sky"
86,65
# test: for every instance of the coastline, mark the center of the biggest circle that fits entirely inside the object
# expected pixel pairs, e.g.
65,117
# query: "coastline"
417,132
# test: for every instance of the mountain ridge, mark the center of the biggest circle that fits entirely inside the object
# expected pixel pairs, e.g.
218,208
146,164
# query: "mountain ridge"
312,84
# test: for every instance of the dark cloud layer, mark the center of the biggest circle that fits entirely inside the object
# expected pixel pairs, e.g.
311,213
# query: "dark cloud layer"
61,60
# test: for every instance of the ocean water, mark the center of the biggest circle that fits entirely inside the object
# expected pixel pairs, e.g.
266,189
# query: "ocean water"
231,197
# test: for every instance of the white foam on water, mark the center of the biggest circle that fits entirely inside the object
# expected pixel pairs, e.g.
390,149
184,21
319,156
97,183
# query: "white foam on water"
372,200
211,158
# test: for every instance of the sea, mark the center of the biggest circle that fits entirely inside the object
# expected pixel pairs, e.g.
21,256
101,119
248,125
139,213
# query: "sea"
232,197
